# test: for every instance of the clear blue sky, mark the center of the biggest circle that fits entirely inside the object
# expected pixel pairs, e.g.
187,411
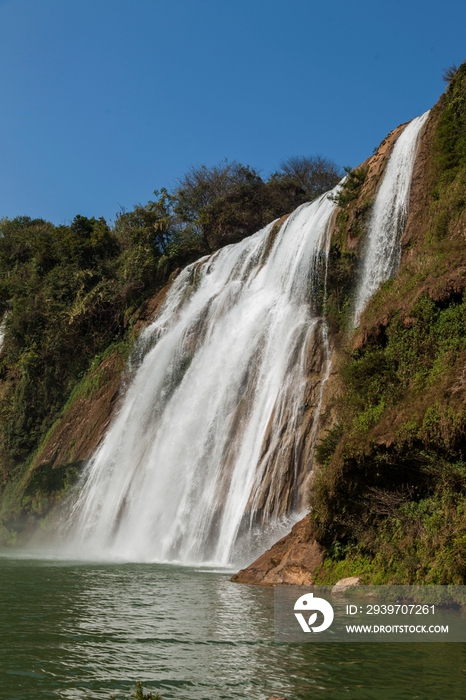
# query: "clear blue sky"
102,101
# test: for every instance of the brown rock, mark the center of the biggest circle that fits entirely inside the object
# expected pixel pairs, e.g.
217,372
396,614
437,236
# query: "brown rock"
343,584
292,560
84,423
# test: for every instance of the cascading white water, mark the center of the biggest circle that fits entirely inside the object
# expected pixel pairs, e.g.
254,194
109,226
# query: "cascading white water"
3,328
209,439
180,472
389,214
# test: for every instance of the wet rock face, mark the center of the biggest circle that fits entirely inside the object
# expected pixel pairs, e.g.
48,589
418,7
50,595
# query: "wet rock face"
286,457
292,560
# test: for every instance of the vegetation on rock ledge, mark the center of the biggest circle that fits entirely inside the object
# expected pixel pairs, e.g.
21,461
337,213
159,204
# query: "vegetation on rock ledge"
389,502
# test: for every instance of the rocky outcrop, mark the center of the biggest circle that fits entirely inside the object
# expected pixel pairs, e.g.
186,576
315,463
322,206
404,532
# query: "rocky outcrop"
343,584
292,560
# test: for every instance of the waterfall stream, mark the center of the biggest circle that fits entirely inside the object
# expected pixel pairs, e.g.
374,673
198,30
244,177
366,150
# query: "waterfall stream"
208,442
213,437
389,215
3,328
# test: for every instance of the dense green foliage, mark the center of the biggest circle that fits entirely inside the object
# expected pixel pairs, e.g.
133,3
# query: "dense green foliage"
390,500
382,498
65,292
449,193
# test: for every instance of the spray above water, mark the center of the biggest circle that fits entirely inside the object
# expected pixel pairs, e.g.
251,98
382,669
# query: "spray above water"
208,442
389,215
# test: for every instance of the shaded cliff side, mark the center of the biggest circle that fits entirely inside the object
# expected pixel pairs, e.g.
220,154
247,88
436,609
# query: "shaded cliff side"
75,436
388,501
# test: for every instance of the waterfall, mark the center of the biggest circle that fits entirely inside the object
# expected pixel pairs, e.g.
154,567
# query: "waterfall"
3,328
209,443
212,441
389,215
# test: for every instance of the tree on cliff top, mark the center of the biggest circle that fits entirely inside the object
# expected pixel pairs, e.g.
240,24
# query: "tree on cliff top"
314,174
224,203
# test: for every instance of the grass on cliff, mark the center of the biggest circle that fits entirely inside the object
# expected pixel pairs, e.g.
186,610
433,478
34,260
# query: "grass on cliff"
389,502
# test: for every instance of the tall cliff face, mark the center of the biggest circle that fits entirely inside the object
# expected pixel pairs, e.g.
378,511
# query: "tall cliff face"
388,501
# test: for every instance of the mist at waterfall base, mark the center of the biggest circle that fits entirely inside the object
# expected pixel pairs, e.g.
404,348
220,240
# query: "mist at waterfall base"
204,462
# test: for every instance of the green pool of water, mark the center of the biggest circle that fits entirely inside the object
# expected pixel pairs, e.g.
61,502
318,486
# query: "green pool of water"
84,630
